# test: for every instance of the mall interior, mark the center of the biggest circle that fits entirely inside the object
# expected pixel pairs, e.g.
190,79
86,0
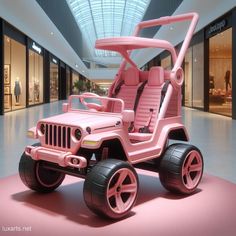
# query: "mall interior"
47,54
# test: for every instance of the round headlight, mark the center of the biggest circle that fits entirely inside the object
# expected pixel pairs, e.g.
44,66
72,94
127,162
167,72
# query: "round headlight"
42,128
78,134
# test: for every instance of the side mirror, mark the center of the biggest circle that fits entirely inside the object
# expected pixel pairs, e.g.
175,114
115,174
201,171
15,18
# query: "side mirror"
65,107
128,115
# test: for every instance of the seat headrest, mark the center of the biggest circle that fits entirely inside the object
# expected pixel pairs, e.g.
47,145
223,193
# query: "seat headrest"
156,76
131,77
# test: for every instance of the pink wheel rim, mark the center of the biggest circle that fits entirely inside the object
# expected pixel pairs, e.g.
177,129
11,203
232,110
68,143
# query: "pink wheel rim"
122,190
192,169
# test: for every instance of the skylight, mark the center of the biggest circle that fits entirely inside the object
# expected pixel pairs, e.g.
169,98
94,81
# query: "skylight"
106,18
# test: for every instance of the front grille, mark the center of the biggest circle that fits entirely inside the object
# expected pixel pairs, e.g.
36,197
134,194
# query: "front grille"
58,136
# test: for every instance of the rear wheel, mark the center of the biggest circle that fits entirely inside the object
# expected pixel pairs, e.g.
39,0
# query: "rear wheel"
111,188
38,178
181,168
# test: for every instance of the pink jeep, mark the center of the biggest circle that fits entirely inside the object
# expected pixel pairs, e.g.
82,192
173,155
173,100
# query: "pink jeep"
129,128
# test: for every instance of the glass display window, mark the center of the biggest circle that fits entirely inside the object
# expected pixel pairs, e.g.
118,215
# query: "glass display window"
166,63
68,81
194,76
220,73
77,85
54,81
188,78
35,89
14,75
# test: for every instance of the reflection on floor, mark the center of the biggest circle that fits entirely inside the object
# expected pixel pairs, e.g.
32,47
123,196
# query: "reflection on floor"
215,136
13,108
223,109
211,211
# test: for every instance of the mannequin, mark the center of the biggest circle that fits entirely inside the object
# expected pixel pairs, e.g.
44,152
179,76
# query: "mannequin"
36,90
227,80
17,90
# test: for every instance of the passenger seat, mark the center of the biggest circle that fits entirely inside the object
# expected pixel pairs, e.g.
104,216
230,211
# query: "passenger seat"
149,104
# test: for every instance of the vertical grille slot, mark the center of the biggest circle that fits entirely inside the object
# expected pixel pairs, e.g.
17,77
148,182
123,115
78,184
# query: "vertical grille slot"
58,136
64,137
68,137
55,135
46,135
50,134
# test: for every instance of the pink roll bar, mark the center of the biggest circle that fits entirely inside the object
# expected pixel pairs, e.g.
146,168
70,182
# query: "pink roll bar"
173,19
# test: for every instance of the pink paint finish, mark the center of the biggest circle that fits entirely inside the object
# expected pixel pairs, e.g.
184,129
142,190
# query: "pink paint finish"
130,126
210,212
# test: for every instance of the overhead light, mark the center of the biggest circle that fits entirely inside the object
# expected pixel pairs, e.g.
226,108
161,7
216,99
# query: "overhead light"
82,70
51,33
171,28
76,65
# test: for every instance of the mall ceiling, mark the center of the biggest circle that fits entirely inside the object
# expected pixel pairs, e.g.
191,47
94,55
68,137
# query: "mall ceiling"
60,14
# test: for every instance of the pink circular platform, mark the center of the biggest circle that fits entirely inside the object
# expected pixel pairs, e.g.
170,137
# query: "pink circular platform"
209,212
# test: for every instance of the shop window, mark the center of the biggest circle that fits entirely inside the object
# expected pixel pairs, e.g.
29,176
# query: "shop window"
220,77
194,76
166,63
14,75
53,82
35,78
68,82
77,85
188,78
198,75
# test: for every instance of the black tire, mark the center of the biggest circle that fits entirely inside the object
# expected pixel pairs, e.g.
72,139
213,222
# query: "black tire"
36,177
181,168
111,177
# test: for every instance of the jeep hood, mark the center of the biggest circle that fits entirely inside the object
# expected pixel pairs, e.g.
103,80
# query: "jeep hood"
96,121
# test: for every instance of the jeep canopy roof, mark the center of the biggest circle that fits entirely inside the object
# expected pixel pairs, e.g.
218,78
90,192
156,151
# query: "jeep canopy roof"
124,44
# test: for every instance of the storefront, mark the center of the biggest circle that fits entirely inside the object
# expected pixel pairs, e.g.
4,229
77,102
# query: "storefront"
54,79
194,73
219,35
79,83
68,81
209,74
35,73
76,83
31,75
14,74
166,62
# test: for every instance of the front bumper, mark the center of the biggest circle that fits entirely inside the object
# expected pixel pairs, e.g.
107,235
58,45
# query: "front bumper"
61,158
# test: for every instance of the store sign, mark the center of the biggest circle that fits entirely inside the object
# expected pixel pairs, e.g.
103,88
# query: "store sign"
217,27
36,48
54,60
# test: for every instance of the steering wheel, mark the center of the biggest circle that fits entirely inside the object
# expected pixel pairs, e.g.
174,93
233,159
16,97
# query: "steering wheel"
91,105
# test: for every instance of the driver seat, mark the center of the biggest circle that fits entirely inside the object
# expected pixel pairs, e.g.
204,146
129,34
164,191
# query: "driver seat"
148,106
128,90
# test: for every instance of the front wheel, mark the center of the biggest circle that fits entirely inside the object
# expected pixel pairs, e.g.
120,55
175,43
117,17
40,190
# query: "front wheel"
181,168
111,188
38,178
